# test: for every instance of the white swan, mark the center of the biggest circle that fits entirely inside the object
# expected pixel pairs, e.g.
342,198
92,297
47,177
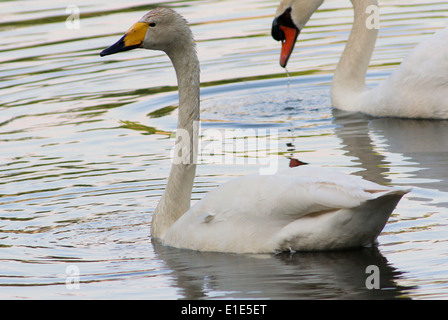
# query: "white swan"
417,89
302,208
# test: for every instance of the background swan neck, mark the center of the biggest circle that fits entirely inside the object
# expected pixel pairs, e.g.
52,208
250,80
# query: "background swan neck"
349,77
176,199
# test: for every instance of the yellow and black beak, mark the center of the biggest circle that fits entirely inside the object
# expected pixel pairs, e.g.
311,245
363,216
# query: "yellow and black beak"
132,39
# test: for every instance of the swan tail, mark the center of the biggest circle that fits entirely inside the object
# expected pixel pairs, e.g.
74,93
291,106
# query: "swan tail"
372,215
344,228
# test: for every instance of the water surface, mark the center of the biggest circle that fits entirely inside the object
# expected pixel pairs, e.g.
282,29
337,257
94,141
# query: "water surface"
85,152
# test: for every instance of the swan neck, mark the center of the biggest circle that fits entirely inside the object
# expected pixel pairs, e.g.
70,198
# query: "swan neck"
175,200
349,77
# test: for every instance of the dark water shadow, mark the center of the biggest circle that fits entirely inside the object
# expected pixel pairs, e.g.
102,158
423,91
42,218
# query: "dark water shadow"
310,275
422,144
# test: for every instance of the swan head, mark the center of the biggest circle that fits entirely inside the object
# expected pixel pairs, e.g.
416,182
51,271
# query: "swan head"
160,29
290,18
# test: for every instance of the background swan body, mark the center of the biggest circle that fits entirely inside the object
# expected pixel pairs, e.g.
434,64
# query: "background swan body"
418,88
302,208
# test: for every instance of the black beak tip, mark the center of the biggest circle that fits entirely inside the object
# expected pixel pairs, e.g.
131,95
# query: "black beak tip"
118,46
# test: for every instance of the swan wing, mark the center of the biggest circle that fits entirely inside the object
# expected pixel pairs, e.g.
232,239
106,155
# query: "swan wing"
289,194
261,213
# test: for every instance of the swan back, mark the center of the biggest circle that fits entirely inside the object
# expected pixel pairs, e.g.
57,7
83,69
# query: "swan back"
418,87
302,208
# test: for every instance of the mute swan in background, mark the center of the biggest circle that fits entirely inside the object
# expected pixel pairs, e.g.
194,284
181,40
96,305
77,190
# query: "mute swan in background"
417,89
302,208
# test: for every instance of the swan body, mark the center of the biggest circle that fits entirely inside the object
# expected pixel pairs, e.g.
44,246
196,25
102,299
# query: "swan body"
418,88
301,208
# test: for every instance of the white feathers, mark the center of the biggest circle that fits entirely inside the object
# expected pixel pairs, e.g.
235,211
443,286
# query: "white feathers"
302,208
418,87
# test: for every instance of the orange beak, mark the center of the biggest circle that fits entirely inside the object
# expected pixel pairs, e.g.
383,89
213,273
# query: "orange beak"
291,35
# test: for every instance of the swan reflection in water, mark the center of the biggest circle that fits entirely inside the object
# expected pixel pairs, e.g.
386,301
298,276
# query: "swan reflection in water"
421,146
301,275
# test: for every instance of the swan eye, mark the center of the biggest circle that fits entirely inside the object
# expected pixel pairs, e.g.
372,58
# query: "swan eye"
152,24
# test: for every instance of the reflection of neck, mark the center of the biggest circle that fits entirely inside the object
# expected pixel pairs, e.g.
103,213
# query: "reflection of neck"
176,199
349,77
